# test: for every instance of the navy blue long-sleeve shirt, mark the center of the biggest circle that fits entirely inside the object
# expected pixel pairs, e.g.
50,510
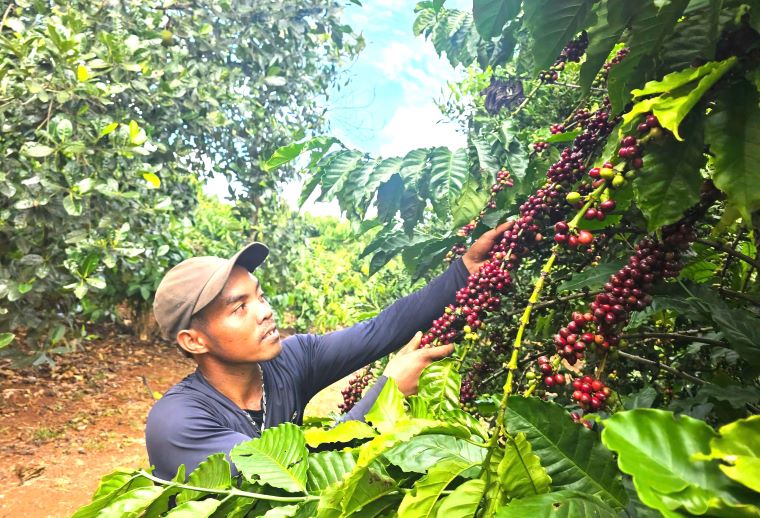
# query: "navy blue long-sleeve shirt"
194,420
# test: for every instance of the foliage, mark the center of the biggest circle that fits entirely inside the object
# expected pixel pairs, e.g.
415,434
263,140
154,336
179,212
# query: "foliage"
112,116
338,480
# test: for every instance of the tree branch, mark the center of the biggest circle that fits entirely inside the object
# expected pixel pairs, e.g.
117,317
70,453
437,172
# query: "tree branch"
661,366
676,336
730,251
738,295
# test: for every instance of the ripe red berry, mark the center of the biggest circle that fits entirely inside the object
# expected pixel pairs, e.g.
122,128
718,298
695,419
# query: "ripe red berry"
585,237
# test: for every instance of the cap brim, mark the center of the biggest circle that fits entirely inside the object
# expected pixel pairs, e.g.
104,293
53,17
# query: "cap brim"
249,258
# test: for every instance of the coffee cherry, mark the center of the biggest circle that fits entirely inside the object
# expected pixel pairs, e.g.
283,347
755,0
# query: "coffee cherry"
585,237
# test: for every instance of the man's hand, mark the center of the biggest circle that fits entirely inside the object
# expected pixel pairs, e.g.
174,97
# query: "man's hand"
474,258
407,364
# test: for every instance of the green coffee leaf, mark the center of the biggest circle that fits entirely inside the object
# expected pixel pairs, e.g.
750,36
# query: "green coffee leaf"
277,458
670,181
344,432
678,93
152,179
520,471
388,408
733,134
491,15
463,501
656,449
73,206
572,455
439,386
421,453
561,504
552,23
738,446
132,503
36,150
591,278
341,496
195,509
448,172
426,491
6,339
611,17
286,154
327,468
650,25
212,473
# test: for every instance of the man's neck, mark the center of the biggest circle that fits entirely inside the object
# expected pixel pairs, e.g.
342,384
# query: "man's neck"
242,384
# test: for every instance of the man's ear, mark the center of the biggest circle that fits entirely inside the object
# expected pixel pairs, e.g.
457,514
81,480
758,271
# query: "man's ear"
192,341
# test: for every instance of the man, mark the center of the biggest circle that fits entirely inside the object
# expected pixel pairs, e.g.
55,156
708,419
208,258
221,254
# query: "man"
247,379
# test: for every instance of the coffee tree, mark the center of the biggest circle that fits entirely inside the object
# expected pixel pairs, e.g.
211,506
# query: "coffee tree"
112,114
606,356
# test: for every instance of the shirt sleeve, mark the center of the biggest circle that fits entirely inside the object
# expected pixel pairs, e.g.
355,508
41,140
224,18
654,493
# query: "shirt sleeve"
324,359
360,409
184,432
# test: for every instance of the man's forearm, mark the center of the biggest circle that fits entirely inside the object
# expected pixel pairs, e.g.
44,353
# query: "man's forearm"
334,355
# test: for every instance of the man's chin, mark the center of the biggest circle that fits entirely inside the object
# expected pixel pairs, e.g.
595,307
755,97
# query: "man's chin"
271,350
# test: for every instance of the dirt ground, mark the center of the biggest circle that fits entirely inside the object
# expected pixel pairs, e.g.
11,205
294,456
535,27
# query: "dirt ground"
65,427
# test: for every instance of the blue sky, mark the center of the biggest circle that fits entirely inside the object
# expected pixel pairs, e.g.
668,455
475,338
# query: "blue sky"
388,107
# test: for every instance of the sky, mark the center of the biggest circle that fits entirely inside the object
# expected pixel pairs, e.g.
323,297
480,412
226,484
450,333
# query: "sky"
388,108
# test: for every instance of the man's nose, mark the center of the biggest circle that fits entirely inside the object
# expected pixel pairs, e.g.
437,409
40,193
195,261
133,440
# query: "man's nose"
264,312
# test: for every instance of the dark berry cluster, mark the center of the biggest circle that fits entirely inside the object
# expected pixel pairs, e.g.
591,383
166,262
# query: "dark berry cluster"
574,238
550,377
353,392
572,52
619,56
538,147
479,297
467,393
503,180
557,128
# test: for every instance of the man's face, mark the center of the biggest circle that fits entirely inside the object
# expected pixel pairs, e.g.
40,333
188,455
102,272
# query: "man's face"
240,325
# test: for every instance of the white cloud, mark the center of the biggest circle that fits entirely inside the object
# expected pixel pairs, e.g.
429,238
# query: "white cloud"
395,58
413,127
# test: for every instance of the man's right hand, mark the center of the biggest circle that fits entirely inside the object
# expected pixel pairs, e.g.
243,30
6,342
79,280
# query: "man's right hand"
406,365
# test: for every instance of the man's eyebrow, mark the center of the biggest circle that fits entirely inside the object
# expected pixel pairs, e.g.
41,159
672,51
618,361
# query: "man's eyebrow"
232,299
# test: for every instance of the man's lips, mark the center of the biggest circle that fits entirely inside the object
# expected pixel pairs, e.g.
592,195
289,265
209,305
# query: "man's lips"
271,333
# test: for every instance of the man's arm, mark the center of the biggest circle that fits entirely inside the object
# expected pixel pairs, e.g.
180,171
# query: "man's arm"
328,358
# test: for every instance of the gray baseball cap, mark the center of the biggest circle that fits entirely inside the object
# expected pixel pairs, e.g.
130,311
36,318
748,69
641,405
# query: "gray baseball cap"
194,283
